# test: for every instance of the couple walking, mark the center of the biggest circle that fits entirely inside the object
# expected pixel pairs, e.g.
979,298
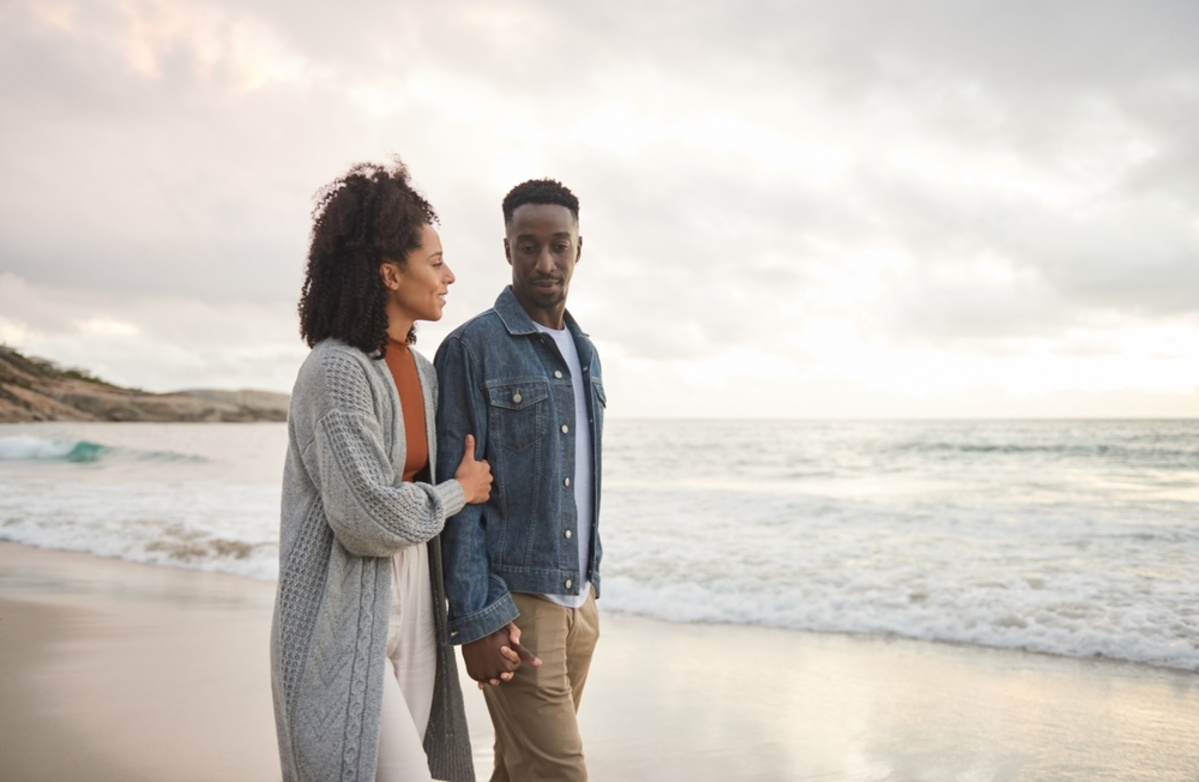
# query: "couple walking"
471,483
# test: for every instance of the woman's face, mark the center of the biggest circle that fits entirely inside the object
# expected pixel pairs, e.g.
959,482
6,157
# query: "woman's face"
423,281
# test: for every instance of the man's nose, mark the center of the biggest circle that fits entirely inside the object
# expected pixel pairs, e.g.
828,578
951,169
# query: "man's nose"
545,261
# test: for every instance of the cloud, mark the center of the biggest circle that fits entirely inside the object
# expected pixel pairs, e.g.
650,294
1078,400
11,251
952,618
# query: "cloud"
935,189
156,343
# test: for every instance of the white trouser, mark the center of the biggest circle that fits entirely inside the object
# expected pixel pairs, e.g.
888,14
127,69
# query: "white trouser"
410,671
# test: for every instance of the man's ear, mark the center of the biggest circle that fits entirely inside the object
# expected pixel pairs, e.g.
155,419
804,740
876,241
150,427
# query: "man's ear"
579,251
507,251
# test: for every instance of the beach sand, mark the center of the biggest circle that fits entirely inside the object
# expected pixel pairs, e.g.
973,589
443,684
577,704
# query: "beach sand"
116,671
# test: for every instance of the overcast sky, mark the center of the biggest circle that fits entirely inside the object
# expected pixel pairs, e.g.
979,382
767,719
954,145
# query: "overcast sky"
796,209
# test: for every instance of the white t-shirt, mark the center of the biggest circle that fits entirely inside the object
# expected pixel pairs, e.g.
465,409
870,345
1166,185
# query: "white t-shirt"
582,477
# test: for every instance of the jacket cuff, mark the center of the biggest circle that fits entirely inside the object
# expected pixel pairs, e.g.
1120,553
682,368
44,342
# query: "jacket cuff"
482,623
453,499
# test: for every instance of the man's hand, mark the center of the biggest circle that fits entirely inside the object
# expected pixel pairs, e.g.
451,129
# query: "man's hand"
493,658
474,475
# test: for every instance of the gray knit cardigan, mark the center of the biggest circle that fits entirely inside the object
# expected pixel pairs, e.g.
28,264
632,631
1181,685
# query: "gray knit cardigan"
345,512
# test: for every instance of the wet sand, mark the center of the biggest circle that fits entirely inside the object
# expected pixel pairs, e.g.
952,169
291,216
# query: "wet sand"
116,671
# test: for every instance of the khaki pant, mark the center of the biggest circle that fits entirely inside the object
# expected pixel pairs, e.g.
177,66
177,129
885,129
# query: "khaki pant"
536,733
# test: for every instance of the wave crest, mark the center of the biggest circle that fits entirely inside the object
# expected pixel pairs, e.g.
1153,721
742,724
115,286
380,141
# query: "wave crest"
26,448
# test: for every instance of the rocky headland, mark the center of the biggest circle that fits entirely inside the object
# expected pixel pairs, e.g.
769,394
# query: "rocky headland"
34,389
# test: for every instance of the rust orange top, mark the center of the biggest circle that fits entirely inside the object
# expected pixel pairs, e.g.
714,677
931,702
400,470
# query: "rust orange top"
412,402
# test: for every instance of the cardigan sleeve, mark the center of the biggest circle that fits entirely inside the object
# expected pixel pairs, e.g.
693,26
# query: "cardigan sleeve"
370,511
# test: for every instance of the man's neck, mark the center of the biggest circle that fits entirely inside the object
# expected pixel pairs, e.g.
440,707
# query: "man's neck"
552,319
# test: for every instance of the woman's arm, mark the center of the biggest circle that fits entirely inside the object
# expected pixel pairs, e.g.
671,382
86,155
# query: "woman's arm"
370,514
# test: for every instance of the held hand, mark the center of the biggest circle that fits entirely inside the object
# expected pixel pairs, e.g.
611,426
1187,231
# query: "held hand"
515,653
489,659
474,475
493,658
522,654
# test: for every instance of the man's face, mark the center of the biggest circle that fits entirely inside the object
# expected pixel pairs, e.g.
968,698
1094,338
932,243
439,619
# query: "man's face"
542,245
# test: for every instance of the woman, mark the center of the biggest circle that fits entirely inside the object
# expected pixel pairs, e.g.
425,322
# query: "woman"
361,678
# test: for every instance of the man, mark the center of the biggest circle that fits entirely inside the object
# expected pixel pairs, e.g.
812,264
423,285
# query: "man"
524,567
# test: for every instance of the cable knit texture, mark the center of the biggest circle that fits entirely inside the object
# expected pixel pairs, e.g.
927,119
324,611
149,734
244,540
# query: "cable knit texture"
345,512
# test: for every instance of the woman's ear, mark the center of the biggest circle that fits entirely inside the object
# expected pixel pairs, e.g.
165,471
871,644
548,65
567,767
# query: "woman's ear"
390,273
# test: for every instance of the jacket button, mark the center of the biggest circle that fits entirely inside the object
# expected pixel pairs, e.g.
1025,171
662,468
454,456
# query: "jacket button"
568,534
565,428
566,482
517,397
557,374
568,583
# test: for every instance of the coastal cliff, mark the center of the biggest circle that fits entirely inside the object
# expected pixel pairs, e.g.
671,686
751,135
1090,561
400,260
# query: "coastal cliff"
37,390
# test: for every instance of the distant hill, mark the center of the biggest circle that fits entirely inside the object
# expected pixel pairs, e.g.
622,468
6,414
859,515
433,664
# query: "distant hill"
33,389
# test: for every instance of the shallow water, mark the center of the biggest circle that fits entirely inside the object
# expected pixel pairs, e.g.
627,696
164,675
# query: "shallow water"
1078,538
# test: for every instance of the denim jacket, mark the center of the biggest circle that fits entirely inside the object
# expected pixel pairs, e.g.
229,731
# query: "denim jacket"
506,383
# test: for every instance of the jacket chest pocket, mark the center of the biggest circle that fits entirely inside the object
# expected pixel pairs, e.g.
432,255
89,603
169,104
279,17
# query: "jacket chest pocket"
599,402
516,411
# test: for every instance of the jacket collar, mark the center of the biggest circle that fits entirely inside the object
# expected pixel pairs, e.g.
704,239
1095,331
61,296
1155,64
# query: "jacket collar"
517,321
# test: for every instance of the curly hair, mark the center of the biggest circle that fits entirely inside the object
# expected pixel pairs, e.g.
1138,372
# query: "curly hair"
540,191
368,216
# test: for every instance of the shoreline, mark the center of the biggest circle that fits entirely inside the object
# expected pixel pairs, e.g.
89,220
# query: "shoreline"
143,672
846,635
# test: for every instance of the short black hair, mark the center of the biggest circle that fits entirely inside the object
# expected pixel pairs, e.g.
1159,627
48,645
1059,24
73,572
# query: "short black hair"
540,191
369,215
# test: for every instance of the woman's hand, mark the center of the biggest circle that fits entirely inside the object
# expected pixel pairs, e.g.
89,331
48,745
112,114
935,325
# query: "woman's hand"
474,475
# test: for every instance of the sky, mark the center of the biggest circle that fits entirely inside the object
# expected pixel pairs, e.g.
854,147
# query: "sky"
861,209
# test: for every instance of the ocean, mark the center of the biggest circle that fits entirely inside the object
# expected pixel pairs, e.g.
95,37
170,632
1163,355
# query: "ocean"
1076,538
